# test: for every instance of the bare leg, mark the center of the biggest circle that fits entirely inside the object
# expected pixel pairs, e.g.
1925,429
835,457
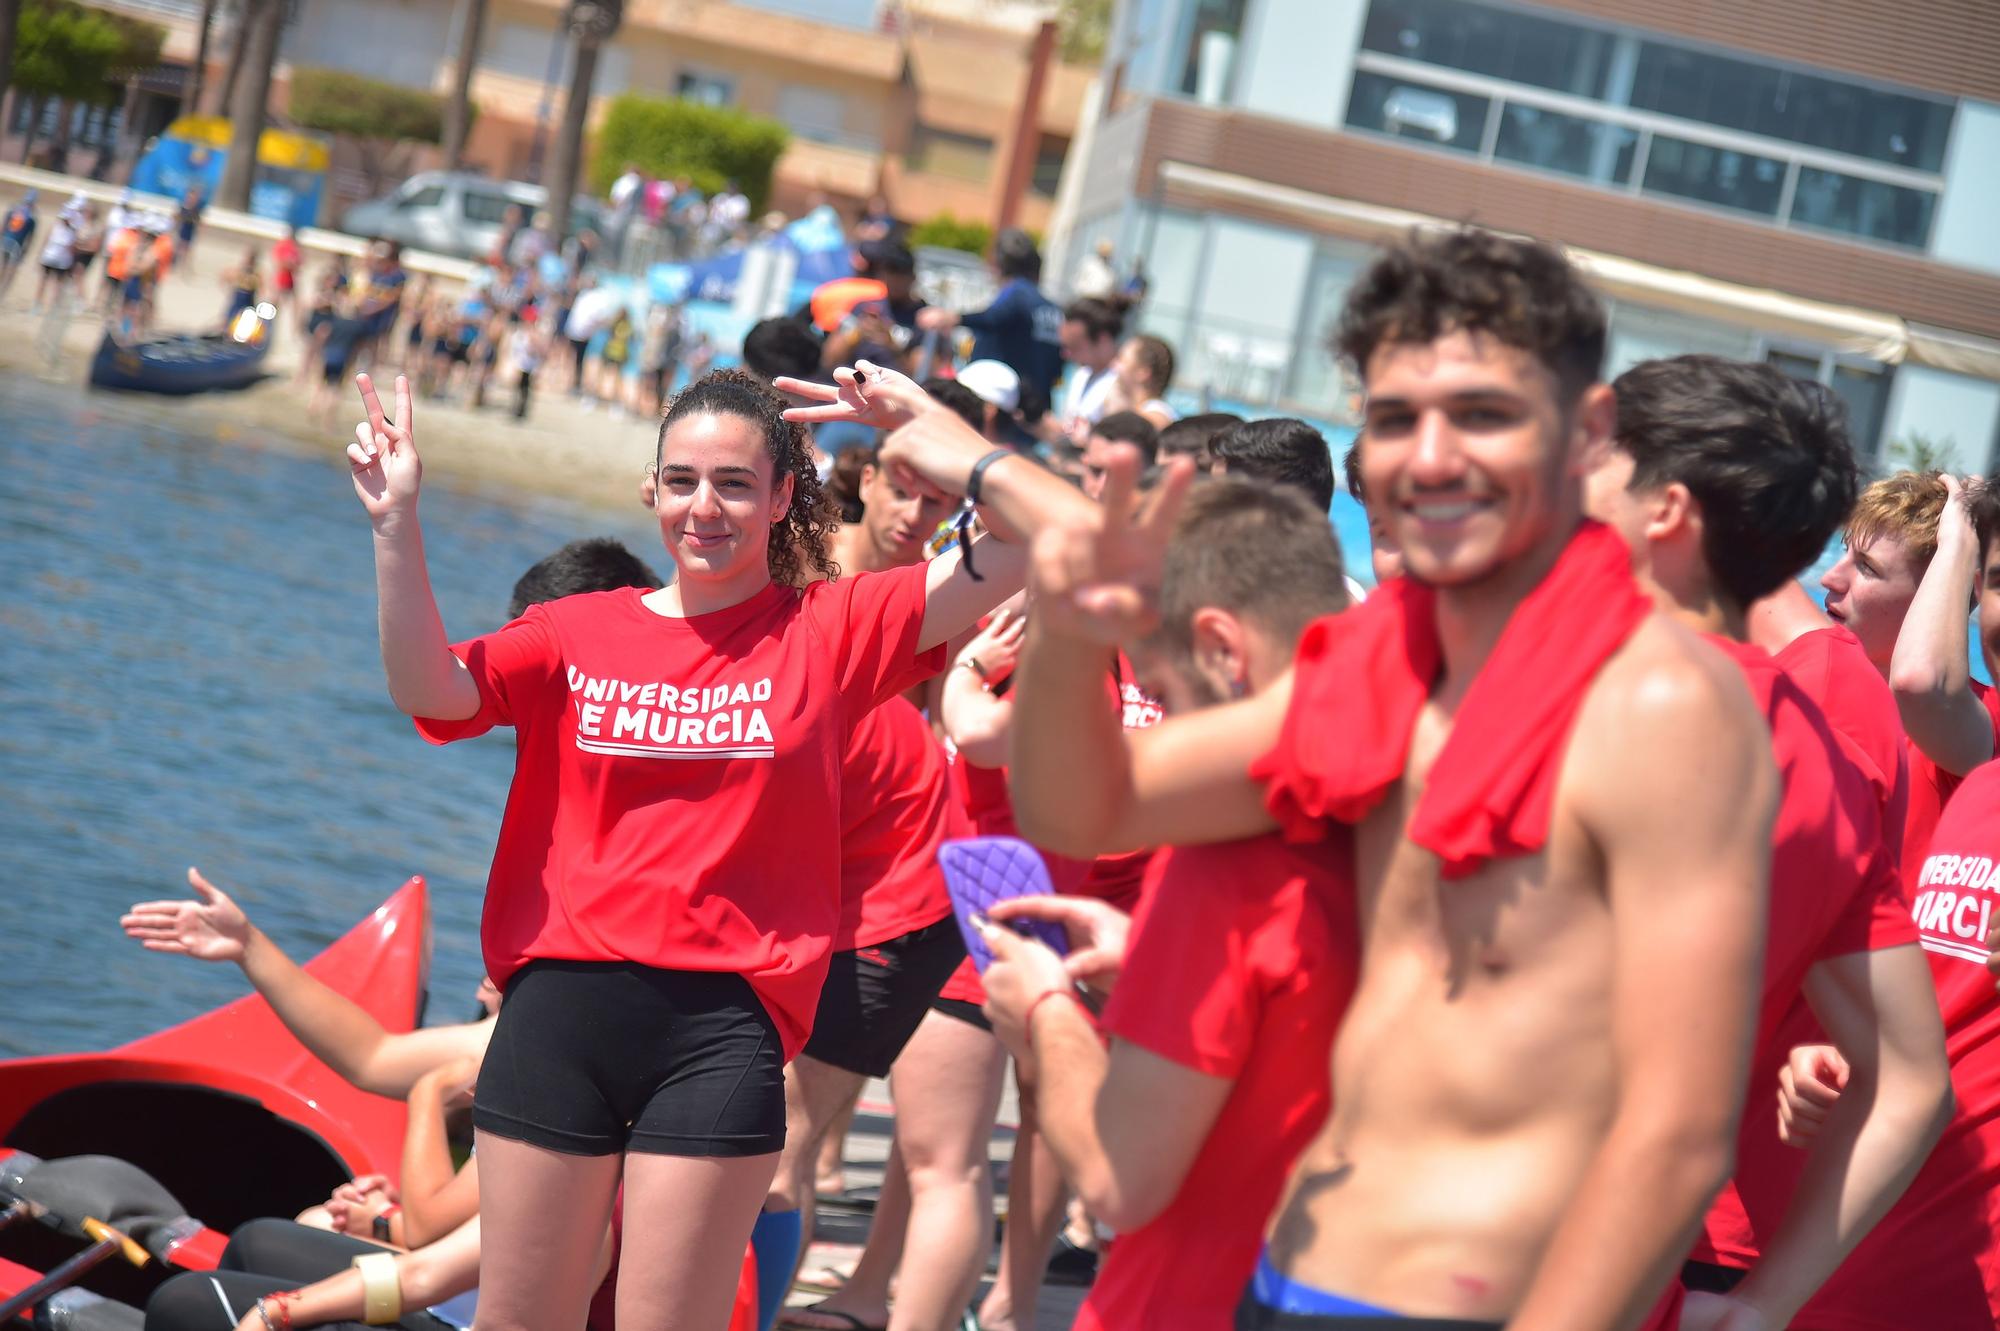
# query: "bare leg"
691,1219
543,1216
1035,1198
830,1170
816,1094
947,1086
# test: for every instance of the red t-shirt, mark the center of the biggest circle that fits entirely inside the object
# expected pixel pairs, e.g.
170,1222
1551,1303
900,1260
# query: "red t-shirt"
1241,960
1835,672
896,806
1934,1261
1835,890
1930,789
1118,878
675,780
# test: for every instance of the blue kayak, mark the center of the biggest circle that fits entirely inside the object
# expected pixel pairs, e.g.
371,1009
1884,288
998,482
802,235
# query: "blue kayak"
178,363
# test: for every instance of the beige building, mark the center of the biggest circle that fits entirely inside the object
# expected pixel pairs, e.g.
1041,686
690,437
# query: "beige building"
919,100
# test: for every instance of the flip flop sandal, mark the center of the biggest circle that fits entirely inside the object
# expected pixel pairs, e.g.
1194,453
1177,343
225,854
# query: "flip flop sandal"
848,1321
821,1279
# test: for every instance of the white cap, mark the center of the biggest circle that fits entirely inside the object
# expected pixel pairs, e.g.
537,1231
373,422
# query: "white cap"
994,382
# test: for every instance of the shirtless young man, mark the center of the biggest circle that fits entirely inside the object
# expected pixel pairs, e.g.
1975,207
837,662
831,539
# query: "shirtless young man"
1536,1086
1727,478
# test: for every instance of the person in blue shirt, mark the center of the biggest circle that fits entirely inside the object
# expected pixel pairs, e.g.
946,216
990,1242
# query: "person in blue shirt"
1022,328
15,234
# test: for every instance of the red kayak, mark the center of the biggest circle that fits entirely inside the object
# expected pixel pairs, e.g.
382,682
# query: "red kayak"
229,1111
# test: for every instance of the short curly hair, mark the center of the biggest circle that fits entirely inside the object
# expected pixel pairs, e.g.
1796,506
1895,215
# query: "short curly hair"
1522,293
797,551
1905,507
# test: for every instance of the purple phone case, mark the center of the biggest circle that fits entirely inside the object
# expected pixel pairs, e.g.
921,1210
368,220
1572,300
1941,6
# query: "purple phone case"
979,871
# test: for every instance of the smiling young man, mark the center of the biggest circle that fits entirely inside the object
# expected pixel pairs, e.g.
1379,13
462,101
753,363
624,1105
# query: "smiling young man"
1726,478
1560,805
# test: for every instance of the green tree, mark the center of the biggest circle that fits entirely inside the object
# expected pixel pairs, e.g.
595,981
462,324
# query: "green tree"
1917,451
384,120
66,53
947,232
1082,28
671,137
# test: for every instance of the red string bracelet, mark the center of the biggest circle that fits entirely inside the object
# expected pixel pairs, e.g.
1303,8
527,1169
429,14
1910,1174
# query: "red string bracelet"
1028,1022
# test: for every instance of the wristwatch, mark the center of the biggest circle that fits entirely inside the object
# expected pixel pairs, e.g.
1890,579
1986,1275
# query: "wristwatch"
379,1226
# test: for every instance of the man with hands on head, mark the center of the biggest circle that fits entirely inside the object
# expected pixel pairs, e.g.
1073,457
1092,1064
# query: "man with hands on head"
1223,1005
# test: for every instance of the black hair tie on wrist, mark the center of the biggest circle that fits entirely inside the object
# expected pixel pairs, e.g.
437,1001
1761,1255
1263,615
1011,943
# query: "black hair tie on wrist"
965,544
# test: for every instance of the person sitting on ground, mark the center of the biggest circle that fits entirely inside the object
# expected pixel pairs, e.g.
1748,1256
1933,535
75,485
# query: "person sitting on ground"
1223,1003
1194,437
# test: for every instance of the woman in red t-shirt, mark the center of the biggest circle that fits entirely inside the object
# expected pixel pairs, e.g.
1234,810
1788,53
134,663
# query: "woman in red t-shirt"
669,851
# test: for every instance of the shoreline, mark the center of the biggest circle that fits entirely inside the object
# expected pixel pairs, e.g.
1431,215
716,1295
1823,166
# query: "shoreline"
592,459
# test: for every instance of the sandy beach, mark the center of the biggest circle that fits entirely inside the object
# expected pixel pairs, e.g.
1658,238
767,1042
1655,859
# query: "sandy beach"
562,451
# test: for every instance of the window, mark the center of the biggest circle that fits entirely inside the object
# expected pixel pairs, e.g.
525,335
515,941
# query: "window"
1415,111
1213,33
428,197
1541,52
484,206
943,153
1871,208
1802,108
813,113
1721,176
1572,145
1863,388
1049,155
707,89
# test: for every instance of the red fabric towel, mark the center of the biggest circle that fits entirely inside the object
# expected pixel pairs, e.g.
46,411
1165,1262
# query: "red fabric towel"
1361,677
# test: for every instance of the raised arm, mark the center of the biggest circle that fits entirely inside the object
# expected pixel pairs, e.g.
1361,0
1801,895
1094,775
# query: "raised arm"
337,1030
1930,672
1881,1011
425,679
1083,785
975,719
1672,775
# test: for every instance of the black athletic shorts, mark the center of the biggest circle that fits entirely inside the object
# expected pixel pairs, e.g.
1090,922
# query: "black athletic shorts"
596,1058
875,997
1254,1316
965,1010
1711,1277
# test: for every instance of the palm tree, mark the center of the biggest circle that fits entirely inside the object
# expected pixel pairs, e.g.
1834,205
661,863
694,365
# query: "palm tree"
257,36
458,108
591,23
191,99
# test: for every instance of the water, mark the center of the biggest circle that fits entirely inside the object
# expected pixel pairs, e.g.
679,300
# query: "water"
189,675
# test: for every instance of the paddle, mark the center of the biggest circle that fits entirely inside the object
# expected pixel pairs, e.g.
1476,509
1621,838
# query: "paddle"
108,1242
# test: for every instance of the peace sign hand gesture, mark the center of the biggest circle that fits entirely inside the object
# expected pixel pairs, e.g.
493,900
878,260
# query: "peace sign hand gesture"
1095,574
387,470
867,394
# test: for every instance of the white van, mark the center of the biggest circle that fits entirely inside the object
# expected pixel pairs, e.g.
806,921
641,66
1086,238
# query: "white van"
456,212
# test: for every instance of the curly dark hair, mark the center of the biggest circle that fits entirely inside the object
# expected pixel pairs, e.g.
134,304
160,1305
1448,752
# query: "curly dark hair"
799,542
1522,293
